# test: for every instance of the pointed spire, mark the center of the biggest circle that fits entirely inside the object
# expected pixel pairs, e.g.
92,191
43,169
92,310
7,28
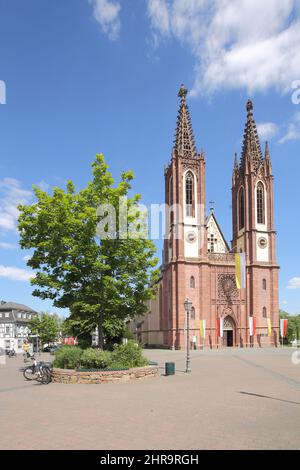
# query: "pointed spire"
236,163
268,164
184,139
267,152
251,150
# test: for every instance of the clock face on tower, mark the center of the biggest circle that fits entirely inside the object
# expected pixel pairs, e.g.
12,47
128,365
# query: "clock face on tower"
262,242
191,237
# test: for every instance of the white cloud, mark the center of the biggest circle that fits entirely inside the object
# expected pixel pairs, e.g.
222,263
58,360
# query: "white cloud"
7,246
294,283
106,12
11,195
15,274
26,258
249,44
267,130
284,302
293,129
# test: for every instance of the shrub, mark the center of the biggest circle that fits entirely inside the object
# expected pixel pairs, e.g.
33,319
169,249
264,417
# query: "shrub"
68,357
128,355
95,359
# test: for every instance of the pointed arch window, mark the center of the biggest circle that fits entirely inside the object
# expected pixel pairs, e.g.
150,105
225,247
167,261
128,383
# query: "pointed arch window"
264,312
260,203
193,316
241,209
189,194
192,282
171,200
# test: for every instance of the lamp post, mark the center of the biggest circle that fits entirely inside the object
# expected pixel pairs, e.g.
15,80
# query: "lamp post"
188,307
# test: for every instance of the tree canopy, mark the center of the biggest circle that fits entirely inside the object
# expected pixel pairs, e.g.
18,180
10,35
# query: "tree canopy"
46,326
103,282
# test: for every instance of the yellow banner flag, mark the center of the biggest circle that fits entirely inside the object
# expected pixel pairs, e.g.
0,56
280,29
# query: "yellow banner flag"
269,327
240,270
202,328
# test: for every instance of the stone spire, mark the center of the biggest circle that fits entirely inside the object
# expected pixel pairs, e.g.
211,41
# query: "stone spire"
251,151
267,151
236,163
184,141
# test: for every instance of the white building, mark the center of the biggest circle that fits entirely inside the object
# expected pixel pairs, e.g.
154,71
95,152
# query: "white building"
14,319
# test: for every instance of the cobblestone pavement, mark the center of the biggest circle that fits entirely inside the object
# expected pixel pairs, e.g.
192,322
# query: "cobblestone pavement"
233,399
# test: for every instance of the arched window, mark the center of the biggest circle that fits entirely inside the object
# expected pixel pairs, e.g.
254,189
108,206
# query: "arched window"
264,312
171,200
260,201
241,209
189,194
192,282
171,190
193,313
264,284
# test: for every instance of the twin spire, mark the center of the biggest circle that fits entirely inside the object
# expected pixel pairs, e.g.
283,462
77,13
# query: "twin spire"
251,150
184,141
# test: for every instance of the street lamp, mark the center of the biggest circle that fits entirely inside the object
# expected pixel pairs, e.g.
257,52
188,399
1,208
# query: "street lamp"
188,307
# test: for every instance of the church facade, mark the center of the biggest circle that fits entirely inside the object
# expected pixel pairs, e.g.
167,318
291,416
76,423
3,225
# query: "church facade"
199,264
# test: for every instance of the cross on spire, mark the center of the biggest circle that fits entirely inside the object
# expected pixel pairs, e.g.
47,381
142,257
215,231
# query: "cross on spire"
184,139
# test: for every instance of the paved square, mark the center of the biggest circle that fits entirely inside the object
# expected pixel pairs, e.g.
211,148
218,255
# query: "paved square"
233,399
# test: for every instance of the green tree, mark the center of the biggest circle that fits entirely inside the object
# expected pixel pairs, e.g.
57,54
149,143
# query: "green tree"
293,329
46,326
104,282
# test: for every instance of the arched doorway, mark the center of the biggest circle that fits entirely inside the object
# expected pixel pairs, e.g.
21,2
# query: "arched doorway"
228,332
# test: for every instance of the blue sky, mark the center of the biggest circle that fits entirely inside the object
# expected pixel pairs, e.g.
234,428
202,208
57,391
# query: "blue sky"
84,77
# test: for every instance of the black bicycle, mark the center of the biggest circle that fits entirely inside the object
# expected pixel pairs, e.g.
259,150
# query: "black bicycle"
40,371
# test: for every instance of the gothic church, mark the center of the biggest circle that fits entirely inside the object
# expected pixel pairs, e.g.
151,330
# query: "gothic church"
199,264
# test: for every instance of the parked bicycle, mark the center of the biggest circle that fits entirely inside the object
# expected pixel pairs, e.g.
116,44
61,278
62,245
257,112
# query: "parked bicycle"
40,371
11,353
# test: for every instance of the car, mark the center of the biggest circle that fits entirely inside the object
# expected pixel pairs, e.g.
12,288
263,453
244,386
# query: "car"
55,348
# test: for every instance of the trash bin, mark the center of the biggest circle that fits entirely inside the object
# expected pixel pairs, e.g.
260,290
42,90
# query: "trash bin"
170,368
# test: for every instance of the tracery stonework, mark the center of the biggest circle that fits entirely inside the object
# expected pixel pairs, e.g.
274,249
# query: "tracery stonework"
227,287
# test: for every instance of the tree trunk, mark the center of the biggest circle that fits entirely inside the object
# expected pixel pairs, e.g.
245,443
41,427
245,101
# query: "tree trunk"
100,332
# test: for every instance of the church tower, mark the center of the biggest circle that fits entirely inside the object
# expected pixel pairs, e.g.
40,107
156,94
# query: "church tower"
184,244
253,225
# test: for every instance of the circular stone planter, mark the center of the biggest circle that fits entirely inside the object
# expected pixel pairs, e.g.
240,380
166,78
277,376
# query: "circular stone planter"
69,376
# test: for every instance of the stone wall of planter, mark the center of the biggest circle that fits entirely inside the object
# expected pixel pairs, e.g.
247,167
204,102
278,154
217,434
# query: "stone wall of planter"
67,376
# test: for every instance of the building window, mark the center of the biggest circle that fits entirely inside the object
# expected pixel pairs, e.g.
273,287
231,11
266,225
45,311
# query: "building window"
260,201
241,209
264,284
192,282
19,315
264,312
193,313
189,193
6,314
7,330
171,199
